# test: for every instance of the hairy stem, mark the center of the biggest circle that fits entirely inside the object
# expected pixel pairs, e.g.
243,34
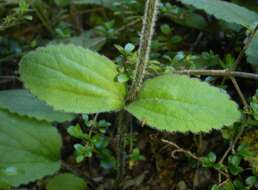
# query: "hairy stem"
124,118
149,21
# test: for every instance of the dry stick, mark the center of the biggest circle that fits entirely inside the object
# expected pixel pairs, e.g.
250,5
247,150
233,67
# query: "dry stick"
122,124
189,153
222,73
240,93
132,23
242,128
232,144
179,149
124,118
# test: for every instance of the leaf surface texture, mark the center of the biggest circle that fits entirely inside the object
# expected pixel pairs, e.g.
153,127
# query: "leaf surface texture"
73,79
30,146
178,103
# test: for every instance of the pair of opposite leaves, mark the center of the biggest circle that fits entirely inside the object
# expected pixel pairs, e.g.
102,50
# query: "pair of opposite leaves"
77,80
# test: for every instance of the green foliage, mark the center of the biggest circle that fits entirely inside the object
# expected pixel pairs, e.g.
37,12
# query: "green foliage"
251,52
254,106
251,140
126,62
105,3
76,132
62,2
209,160
66,181
20,14
226,11
94,142
194,61
76,80
4,172
72,79
233,167
30,147
23,103
136,155
251,181
183,16
86,39
107,30
234,164
177,103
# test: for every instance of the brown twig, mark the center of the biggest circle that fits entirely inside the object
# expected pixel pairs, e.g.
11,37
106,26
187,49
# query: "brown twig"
242,129
240,93
224,182
222,73
189,153
240,133
179,149
122,28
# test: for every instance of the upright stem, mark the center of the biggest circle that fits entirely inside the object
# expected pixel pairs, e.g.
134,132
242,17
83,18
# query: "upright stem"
149,20
124,118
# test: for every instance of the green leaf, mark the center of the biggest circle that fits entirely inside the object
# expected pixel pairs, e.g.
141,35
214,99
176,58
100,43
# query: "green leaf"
82,152
10,171
129,48
251,181
212,157
4,185
215,187
254,105
23,103
165,29
66,181
239,185
178,103
226,11
122,78
251,52
29,146
72,79
234,159
228,186
76,131
209,160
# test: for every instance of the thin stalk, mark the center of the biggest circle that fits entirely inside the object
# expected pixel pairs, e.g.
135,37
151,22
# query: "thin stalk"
149,21
124,118
122,123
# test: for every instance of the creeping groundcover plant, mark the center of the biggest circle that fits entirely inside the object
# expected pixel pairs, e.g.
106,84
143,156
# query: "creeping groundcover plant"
64,80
